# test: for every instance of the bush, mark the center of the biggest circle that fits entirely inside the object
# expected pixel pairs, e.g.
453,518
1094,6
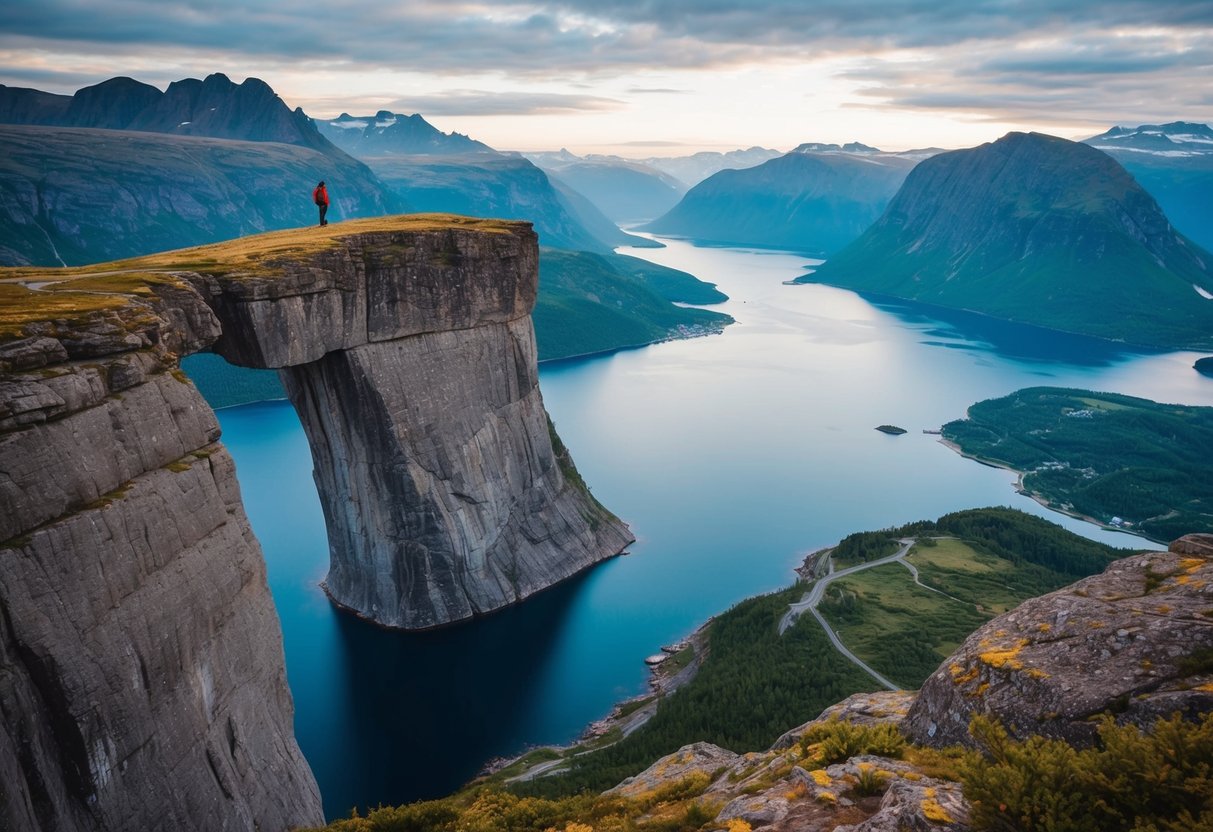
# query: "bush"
834,741
1160,781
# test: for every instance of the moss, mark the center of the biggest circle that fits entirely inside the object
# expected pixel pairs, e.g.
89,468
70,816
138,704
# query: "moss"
17,542
106,499
78,292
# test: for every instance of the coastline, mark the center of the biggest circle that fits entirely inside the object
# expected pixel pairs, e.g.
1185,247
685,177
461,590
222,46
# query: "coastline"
1020,489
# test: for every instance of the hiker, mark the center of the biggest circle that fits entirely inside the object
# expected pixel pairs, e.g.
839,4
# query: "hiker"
320,196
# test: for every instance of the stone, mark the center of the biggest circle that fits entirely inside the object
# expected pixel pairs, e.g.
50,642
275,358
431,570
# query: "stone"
697,758
1117,643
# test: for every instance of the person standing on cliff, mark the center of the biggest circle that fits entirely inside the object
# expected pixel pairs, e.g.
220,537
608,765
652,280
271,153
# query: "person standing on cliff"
320,196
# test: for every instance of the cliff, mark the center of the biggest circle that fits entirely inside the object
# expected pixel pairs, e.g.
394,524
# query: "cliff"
144,681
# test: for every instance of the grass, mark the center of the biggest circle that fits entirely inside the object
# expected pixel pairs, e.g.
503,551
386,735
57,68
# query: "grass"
82,291
904,630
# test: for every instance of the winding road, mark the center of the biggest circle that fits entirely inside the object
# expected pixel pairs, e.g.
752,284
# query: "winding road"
813,597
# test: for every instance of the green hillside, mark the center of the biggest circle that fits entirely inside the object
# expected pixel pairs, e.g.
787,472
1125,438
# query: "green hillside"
76,196
1040,230
1101,455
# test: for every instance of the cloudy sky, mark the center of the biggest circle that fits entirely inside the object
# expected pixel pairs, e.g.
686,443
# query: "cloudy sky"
657,77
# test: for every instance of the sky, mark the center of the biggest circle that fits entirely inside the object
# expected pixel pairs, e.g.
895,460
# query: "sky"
657,77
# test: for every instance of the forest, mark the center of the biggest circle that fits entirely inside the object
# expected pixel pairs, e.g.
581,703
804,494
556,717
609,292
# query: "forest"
1120,460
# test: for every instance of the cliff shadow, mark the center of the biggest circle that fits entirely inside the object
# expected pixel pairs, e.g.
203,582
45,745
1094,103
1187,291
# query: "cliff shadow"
424,711
1019,342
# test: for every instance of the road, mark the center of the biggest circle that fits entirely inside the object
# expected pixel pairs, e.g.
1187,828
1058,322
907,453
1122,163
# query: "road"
813,597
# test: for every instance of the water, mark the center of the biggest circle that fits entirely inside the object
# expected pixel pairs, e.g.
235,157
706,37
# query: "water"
730,456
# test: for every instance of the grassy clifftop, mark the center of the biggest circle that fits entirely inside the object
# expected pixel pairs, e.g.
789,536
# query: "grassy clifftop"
33,295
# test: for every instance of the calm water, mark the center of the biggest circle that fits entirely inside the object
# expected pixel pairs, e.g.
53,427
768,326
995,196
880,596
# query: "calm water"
730,456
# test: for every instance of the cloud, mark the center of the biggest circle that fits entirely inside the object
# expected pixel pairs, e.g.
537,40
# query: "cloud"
1095,78
995,59
483,103
553,36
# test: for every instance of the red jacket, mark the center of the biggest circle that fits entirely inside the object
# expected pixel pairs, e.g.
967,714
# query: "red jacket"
320,196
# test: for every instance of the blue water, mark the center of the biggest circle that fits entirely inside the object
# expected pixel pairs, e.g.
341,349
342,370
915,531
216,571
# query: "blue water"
730,456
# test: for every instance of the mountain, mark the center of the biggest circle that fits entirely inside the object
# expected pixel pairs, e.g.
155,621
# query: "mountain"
1040,230
623,190
22,105
215,107
111,105
71,196
817,198
1175,138
693,169
594,303
1174,162
499,186
389,133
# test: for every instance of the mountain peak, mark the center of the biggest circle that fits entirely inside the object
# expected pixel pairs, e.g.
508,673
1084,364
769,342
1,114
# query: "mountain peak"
1036,229
821,147
387,133
1175,138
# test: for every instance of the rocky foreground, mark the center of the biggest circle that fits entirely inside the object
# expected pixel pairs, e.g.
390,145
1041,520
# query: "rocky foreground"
1135,642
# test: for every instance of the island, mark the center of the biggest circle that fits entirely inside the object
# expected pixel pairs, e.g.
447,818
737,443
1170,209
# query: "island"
892,430
1121,461
1204,366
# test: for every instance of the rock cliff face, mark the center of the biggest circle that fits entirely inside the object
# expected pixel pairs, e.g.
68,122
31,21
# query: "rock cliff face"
1134,641
411,360
141,670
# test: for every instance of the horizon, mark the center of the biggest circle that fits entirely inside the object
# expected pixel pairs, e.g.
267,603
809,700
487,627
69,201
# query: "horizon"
638,81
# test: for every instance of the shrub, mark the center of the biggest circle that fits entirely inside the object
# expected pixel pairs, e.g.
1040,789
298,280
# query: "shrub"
1135,781
835,741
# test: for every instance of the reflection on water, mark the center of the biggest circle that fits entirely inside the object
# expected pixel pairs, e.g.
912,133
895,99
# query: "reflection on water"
730,456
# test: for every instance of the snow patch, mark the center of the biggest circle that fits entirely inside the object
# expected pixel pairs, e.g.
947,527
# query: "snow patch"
1203,292
1150,152
348,124
387,122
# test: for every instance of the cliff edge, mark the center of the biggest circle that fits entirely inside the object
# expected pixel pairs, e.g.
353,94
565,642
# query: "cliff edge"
144,679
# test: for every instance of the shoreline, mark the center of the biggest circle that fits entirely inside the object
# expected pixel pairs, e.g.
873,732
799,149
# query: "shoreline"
625,717
1020,489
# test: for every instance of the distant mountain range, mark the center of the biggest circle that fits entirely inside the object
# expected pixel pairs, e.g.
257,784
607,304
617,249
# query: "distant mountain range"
388,133
1041,230
623,190
215,107
1174,162
449,172
689,170
817,198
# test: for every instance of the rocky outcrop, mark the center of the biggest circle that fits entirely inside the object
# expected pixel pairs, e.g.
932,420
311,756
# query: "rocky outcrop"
788,789
411,360
1135,641
142,682
141,670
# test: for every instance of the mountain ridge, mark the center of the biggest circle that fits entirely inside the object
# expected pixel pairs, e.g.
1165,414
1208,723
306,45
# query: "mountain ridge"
1036,229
